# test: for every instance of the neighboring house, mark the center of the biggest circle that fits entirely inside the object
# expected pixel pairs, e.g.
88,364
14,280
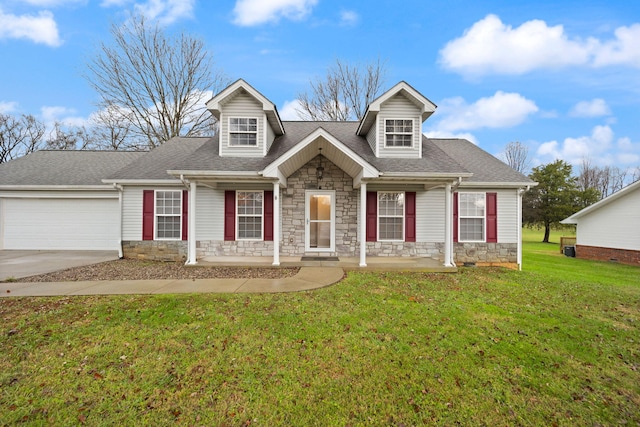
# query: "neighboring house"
267,187
608,230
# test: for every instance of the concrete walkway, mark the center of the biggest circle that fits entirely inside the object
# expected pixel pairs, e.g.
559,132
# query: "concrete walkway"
306,279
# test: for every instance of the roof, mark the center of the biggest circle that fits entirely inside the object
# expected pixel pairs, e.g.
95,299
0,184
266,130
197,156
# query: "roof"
64,167
573,219
485,167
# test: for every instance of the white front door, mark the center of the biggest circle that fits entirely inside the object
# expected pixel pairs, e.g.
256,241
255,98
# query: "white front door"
320,221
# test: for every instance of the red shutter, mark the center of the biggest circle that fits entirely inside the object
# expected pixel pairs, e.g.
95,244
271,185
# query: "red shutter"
410,217
229,215
492,217
148,202
455,217
185,214
268,216
372,216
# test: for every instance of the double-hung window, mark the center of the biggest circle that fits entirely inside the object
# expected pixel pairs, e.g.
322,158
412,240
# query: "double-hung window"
391,216
243,131
472,217
249,208
168,215
398,132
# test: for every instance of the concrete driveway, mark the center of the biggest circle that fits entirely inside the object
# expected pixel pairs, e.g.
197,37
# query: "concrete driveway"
19,264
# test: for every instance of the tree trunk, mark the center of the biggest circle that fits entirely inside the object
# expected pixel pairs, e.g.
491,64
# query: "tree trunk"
547,230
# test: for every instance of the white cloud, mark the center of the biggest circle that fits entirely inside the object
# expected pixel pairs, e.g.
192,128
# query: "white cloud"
597,107
492,47
501,110
349,18
255,12
596,146
164,11
41,28
289,110
8,107
63,115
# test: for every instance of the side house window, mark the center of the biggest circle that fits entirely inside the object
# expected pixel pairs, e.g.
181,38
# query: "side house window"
249,211
243,131
398,133
248,215
390,216
164,214
475,217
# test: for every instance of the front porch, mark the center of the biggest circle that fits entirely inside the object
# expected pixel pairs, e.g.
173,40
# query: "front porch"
420,264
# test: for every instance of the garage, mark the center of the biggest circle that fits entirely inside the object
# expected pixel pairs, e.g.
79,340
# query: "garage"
60,223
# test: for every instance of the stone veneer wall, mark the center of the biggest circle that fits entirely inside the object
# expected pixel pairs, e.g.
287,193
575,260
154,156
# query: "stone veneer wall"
406,249
485,253
623,256
155,250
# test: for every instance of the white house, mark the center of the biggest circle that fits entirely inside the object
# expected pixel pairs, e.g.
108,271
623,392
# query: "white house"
267,187
610,229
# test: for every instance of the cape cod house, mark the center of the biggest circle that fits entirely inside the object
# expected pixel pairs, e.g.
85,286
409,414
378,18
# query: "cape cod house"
267,187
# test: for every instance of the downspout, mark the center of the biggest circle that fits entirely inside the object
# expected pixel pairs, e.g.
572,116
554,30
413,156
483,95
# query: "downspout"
120,191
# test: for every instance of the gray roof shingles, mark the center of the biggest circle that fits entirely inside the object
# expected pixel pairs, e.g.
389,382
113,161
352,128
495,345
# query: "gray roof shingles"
64,167
201,154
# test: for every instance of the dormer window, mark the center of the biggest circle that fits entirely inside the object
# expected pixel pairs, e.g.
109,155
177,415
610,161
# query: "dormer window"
243,131
398,133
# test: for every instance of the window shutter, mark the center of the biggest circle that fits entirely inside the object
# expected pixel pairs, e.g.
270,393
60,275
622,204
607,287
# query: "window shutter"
185,214
492,217
410,216
147,214
268,216
372,216
455,217
229,215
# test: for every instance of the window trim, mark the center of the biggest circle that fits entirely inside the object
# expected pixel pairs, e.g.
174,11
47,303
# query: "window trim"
461,217
156,215
230,132
378,215
237,213
412,134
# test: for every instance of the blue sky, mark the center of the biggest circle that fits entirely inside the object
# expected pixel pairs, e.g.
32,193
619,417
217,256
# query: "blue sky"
562,77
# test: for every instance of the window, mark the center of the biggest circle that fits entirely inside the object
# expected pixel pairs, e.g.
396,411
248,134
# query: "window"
249,213
243,131
168,214
472,217
391,216
398,133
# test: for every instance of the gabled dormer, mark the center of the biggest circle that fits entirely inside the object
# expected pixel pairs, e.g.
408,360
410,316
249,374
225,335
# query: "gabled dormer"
392,123
249,122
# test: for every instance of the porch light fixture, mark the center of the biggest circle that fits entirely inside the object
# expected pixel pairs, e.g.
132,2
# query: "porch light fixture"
320,169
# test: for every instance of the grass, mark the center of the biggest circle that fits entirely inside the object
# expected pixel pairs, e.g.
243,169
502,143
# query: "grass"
555,344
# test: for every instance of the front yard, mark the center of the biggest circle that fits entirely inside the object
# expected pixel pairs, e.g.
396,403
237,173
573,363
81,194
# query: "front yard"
555,344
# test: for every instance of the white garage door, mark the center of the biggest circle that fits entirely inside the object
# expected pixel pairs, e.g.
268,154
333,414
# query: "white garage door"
80,224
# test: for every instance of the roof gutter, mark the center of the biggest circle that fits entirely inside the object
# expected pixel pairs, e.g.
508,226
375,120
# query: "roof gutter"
56,187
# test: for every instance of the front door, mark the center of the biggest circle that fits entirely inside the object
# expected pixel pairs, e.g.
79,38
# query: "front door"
320,221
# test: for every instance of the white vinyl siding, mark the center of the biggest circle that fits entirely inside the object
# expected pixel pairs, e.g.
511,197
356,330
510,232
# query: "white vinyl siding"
430,216
60,221
399,107
132,213
614,225
242,106
507,216
209,214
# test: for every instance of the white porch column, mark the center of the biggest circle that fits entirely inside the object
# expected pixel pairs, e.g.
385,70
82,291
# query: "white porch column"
276,223
448,227
191,233
363,224
520,192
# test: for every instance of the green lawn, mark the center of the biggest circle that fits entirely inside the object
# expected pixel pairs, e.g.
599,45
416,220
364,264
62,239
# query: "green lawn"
555,344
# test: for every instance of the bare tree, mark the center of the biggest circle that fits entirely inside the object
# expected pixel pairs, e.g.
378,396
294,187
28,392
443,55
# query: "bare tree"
516,155
19,136
162,81
63,137
605,180
344,93
111,131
